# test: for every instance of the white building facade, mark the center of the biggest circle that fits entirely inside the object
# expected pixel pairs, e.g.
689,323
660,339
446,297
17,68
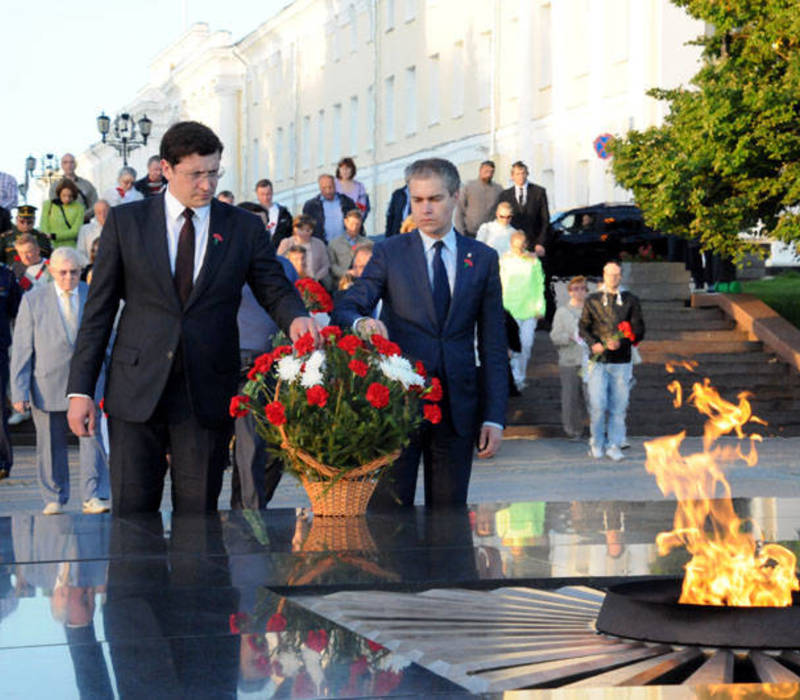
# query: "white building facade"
389,81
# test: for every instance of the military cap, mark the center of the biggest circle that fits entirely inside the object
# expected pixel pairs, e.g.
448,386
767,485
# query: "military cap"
26,211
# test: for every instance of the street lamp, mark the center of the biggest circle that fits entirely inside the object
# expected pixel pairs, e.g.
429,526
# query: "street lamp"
122,133
47,173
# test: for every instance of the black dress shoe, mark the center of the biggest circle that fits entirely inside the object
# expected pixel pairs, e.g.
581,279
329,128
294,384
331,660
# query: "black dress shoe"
3,474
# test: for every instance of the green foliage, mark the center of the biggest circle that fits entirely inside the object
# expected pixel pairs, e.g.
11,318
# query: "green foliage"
728,153
782,293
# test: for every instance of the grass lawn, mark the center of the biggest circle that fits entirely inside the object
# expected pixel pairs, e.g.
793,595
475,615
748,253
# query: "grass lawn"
782,293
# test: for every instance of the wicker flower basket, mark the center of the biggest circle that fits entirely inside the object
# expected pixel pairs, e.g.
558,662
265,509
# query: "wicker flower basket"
349,494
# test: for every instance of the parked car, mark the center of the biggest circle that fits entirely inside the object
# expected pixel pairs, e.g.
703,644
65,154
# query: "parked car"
586,238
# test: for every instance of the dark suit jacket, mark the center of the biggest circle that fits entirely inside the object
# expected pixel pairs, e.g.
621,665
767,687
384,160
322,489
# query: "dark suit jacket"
133,266
534,218
394,214
283,227
313,208
398,274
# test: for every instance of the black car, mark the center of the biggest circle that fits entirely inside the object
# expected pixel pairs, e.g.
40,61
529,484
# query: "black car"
586,238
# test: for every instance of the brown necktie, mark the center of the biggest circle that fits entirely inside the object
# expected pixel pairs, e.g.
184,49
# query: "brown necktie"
184,260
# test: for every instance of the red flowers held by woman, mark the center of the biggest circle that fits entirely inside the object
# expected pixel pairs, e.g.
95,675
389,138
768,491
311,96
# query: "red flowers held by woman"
304,344
432,413
378,395
238,407
275,413
358,367
317,396
350,343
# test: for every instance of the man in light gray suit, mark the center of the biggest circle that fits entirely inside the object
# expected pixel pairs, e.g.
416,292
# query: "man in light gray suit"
44,341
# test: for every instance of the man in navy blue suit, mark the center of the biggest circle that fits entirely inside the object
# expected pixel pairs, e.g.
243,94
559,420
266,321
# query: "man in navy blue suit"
438,288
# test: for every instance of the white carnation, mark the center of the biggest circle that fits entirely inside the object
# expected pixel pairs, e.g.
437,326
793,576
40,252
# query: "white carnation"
315,366
399,369
289,368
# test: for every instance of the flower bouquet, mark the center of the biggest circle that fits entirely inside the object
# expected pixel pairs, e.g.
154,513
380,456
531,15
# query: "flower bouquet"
624,330
338,415
317,300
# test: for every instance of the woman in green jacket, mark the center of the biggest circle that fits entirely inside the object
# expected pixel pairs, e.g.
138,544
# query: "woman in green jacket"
62,216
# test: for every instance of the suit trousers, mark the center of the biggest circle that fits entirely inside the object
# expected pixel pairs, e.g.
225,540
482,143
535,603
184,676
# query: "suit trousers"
52,464
447,460
6,453
199,456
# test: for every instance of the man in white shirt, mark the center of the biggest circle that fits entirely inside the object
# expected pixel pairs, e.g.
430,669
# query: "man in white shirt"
89,232
497,234
278,220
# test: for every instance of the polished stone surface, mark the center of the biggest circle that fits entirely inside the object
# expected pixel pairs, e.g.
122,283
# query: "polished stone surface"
96,606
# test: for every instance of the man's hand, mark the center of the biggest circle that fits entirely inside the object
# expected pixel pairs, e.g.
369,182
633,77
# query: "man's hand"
613,344
539,250
22,406
81,416
598,348
489,441
302,325
367,327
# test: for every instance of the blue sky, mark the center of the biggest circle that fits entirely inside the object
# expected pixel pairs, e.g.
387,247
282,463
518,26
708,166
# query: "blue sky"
65,62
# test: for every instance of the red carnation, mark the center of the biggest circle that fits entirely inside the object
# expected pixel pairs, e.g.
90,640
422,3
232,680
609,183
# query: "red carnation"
281,351
314,295
238,407
317,640
384,346
358,367
263,363
378,395
627,331
25,283
331,331
316,396
275,412
419,368
435,391
277,623
350,343
304,344
432,413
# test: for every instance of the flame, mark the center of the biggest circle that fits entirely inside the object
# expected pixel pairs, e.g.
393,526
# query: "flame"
674,387
728,566
689,365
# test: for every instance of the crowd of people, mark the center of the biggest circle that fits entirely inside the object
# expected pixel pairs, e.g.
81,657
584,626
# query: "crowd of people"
63,345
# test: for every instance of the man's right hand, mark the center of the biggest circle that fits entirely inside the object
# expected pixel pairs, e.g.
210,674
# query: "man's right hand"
81,416
367,327
598,348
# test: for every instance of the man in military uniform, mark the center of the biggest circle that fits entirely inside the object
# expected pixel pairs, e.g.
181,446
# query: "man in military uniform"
29,267
26,214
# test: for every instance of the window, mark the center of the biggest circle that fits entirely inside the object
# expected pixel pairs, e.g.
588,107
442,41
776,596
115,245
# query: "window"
337,40
353,17
320,137
433,89
336,135
353,125
370,117
411,10
292,149
389,14
256,164
458,79
305,144
388,108
484,70
545,47
279,155
411,100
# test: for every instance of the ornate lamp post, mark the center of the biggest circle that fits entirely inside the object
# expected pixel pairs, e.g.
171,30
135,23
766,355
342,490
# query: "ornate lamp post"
122,133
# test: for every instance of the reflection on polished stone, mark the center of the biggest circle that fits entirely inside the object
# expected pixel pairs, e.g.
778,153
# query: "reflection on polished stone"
124,605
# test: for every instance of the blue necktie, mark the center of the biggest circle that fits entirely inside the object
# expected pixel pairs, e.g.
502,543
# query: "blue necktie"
441,287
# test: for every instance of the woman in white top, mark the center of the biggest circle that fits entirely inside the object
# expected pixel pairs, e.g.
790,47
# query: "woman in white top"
497,234
124,192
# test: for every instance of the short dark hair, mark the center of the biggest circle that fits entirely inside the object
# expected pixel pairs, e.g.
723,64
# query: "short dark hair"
439,167
225,193
67,184
264,182
519,164
153,159
295,248
303,220
354,212
349,162
489,162
186,138
251,207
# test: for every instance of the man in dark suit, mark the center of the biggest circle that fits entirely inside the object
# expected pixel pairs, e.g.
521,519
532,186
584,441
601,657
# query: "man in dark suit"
529,212
437,287
328,209
399,208
179,260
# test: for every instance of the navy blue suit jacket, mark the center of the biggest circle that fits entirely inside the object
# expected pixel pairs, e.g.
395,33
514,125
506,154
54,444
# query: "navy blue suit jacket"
398,274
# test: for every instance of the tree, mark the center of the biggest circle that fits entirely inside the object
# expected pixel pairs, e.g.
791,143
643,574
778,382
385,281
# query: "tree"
728,153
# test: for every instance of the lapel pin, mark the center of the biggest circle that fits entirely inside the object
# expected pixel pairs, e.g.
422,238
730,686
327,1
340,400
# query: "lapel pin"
468,260
217,238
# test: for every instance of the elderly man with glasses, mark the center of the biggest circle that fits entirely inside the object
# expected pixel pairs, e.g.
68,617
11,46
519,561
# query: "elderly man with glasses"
497,234
44,341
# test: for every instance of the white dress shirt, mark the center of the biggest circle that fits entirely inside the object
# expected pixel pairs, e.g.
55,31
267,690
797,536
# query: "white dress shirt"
521,193
173,210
